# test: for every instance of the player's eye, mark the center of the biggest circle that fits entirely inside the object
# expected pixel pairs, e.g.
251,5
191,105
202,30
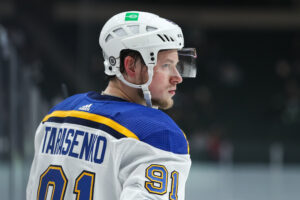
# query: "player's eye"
166,65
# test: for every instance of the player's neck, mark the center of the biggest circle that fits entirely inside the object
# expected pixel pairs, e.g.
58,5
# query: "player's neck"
118,89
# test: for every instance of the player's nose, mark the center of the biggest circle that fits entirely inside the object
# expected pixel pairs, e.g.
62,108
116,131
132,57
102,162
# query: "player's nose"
176,78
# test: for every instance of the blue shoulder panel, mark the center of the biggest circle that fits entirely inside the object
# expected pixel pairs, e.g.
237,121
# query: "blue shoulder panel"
151,126
157,129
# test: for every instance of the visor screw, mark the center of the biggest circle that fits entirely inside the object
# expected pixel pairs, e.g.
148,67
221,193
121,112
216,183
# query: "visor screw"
112,60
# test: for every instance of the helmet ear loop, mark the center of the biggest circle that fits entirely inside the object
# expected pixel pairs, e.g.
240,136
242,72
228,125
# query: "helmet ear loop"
144,87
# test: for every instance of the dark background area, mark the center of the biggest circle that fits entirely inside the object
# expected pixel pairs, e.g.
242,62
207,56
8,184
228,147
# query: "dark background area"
245,100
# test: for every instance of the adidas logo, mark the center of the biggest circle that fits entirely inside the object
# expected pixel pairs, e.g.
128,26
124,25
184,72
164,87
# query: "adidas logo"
86,107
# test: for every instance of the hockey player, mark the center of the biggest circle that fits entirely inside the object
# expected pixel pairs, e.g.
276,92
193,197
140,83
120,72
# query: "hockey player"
116,145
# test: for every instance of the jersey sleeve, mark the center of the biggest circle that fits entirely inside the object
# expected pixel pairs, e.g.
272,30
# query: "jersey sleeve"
147,172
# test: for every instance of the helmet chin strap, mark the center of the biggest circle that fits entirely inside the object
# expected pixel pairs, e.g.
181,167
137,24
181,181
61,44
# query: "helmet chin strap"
147,95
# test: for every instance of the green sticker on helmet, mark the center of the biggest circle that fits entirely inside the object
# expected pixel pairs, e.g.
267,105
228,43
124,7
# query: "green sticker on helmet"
131,16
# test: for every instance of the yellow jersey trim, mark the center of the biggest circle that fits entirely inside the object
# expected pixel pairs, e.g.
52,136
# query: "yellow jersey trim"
188,145
93,117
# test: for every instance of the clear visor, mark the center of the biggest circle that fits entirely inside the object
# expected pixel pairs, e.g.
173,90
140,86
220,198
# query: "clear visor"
187,62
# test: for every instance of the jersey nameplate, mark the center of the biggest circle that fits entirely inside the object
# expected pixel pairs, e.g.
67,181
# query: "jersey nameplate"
74,143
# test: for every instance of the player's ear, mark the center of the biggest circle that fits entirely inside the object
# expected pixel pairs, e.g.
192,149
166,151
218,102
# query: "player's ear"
129,65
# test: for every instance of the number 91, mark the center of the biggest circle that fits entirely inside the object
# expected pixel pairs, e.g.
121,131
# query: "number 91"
158,181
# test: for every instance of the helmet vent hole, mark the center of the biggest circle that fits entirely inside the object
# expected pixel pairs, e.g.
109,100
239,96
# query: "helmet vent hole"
150,28
109,37
134,28
120,32
161,37
172,39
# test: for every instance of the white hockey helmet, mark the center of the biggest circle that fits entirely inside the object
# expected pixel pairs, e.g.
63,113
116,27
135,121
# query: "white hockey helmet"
146,33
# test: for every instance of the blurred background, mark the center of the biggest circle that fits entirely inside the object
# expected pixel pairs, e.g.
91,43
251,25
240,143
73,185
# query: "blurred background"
241,114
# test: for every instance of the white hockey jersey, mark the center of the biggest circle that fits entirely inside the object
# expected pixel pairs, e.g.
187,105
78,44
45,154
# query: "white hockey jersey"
98,147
